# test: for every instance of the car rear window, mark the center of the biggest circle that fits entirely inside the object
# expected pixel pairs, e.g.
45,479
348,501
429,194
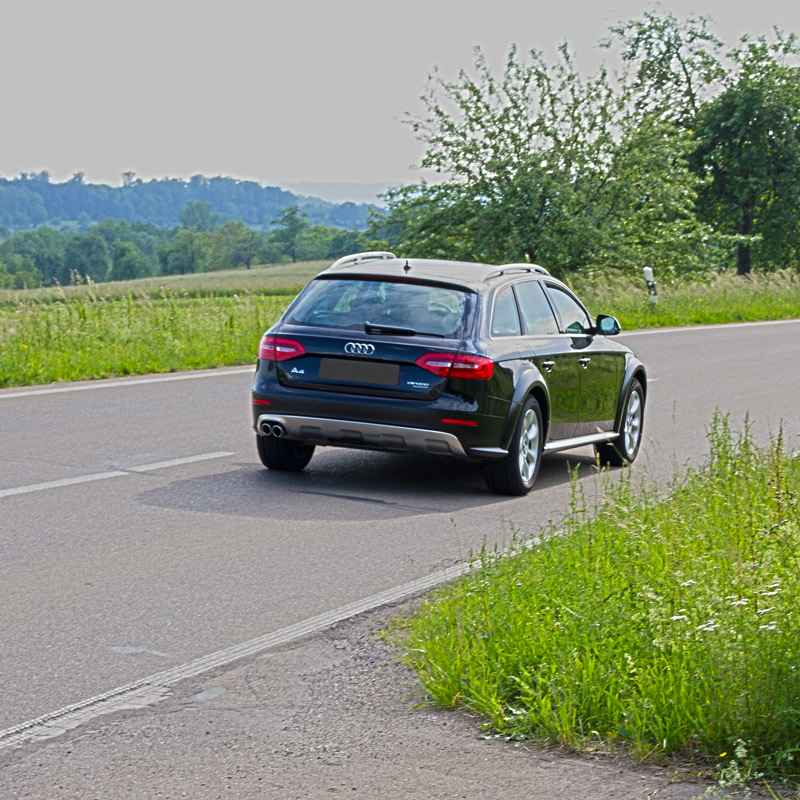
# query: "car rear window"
352,303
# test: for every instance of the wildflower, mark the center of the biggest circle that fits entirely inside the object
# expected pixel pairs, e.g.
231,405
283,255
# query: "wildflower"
766,610
709,626
689,583
770,627
742,602
677,617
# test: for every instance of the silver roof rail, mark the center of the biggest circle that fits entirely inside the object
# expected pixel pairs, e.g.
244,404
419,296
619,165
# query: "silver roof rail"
360,258
504,269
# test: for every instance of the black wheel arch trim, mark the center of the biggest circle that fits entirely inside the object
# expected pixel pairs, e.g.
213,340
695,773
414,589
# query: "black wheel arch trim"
529,382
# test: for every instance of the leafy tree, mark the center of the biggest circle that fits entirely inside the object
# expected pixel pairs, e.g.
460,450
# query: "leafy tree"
188,251
293,224
42,250
85,255
749,142
677,63
344,243
240,244
128,262
315,243
543,165
197,214
744,112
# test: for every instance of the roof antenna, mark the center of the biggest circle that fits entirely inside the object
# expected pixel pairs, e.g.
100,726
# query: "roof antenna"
406,268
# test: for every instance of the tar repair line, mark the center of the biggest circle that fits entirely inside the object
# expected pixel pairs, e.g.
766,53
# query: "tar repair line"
153,688
184,376
117,473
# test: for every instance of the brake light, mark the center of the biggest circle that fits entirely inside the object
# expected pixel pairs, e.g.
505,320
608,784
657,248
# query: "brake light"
274,348
464,365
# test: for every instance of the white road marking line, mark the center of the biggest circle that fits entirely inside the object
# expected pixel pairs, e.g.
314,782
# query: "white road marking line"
101,476
715,327
153,688
183,376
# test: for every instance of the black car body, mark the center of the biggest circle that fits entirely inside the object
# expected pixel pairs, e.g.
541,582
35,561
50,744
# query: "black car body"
495,364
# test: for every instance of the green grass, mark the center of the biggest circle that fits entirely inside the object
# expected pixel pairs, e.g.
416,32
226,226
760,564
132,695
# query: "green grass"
719,298
216,318
137,327
668,624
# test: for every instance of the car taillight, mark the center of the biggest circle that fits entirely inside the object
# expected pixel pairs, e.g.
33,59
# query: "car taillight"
274,348
463,365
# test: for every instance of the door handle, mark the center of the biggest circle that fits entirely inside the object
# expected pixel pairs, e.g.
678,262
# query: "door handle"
584,362
548,365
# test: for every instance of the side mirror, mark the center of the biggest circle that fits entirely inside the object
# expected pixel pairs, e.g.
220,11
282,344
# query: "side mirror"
607,325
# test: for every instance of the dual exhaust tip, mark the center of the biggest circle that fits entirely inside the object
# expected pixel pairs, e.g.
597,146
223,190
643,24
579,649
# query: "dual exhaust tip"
272,429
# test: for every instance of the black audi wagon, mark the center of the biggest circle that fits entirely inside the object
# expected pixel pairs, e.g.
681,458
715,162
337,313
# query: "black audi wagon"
494,364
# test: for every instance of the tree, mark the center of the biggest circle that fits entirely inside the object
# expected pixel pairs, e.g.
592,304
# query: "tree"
85,255
293,223
128,262
197,214
744,113
677,63
42,250
543,165
239,244
188,251
749,142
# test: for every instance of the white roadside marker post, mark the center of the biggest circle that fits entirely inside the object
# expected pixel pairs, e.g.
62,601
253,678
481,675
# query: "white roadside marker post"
651,284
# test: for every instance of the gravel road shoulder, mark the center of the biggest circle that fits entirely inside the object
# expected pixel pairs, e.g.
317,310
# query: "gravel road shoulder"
330,714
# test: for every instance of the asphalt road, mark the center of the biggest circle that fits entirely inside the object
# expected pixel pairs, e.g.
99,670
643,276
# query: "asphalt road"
138,530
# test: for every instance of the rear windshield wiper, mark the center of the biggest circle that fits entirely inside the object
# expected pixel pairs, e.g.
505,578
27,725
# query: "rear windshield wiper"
394,330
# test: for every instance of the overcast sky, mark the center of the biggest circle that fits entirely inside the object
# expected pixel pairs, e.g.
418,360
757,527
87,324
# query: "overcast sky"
277,92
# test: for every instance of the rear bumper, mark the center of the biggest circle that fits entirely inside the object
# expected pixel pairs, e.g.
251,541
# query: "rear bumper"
367,435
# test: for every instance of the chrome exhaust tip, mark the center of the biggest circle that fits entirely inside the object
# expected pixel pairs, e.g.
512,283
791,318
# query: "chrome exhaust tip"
278,431
266,429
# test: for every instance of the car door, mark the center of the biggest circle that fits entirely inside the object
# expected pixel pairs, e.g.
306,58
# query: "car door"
553,354
599,363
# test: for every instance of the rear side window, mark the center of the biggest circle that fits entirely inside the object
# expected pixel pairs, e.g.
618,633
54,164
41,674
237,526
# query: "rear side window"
536,311
352,303
505,318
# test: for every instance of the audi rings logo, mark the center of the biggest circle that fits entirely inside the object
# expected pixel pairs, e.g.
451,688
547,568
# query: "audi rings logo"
359,349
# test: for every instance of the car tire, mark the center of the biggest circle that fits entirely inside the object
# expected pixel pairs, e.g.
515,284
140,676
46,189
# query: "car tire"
624,449
516,473
283,454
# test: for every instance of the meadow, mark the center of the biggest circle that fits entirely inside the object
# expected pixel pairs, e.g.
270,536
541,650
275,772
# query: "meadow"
665,623
214,319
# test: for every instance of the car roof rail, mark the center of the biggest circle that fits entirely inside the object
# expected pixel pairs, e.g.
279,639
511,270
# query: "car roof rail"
507,269
360,258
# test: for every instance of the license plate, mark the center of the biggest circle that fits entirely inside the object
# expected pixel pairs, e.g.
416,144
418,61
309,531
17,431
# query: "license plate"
354,371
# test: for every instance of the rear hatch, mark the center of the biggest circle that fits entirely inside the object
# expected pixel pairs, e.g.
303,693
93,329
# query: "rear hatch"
385,337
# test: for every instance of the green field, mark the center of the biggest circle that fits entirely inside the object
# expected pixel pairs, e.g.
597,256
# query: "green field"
152,325
215,319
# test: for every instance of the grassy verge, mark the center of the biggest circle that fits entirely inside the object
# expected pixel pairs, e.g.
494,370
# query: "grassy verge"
216,318
719,298
668,624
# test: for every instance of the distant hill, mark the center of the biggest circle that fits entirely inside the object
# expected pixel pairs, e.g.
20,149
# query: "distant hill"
32,200
341,192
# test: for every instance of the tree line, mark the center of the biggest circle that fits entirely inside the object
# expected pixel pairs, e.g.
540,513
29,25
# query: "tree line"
115,249
31,200
686,159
